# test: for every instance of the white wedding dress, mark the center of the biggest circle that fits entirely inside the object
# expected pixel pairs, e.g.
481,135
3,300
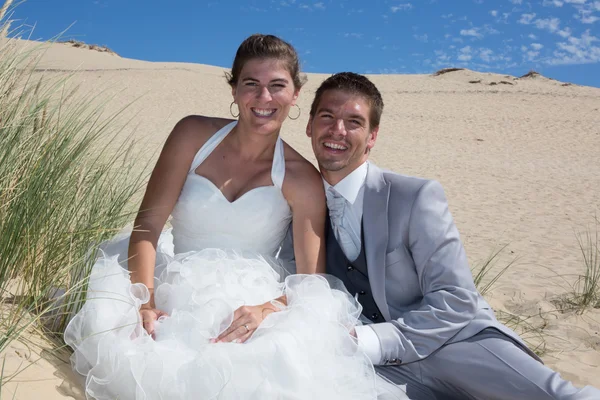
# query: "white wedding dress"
219,257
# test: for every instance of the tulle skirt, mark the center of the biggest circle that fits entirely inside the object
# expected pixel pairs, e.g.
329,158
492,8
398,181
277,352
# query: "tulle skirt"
303,351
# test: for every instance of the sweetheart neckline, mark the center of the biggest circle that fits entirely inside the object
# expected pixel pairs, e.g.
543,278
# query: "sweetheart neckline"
221,193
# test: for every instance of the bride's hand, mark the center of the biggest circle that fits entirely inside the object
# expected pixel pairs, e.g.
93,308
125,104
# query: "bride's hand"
245,321
149,316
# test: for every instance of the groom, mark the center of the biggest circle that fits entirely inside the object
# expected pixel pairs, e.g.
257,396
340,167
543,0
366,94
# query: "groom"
392,241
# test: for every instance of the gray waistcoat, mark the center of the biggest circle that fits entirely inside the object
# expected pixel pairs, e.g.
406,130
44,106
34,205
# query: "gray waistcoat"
354,274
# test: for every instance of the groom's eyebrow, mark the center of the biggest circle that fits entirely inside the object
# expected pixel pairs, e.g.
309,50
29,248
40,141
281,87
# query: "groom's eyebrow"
324,109
357,116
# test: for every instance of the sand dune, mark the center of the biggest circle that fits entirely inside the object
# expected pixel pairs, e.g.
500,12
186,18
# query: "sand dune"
518,158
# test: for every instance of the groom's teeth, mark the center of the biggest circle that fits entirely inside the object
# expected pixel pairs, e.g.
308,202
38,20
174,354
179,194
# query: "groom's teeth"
335,146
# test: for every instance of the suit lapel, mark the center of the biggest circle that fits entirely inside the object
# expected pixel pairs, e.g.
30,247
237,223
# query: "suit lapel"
375,215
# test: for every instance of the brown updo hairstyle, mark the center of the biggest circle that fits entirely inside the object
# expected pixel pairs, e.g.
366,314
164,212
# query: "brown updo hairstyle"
259,46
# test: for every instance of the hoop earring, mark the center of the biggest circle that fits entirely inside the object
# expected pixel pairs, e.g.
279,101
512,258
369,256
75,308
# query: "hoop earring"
299,113
231,110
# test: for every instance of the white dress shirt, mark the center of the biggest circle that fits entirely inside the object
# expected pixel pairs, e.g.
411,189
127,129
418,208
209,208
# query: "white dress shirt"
352,188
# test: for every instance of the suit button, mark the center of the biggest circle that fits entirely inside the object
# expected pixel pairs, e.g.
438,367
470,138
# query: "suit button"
350,268
394,360
374,316
362,292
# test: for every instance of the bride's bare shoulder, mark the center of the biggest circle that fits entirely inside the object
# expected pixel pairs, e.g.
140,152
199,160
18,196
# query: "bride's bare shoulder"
301,173
196,129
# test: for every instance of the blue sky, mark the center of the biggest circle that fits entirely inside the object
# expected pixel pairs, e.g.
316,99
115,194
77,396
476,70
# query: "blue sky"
558,38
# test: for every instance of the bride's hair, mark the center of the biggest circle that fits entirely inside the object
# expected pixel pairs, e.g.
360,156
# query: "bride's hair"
260,46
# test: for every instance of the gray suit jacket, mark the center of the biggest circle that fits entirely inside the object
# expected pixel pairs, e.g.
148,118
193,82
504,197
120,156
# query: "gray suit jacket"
418,270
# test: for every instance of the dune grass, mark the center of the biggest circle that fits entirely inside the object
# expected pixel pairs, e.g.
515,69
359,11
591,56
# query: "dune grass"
482,274
64,187
531,328
584,294
586,291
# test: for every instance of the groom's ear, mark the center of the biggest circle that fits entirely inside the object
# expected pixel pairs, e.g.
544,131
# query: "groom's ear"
309,127
372,138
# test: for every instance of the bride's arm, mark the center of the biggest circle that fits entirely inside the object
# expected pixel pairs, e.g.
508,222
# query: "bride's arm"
162,192
303,189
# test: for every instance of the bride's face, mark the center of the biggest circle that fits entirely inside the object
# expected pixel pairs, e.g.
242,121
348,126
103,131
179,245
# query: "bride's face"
264,94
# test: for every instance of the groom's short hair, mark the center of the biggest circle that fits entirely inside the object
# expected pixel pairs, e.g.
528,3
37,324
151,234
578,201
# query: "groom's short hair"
355,84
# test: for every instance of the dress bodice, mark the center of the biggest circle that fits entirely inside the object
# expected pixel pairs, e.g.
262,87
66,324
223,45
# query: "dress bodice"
204,218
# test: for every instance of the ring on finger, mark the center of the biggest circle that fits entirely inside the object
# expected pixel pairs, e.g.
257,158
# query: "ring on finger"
246,326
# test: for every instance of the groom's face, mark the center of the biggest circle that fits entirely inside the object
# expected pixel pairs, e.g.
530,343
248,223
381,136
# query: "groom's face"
340,133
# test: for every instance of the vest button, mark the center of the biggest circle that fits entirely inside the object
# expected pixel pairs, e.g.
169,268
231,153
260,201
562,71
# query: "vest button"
375,316
350,268
362,292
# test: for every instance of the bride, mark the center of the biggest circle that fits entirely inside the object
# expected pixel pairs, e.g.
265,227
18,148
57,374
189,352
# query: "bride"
209,312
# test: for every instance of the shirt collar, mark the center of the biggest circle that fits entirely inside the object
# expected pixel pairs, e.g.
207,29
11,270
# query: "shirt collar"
350,186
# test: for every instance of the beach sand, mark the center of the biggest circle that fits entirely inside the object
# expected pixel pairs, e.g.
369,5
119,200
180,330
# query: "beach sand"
518,159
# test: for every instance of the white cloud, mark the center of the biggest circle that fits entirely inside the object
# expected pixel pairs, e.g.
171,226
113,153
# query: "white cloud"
401,7
465,54
532,36
575,50
479,32
489,29
550,24
442,56
421,38
516,1
529,54
555,3
320,6
486,55
532,55
526,18
354,35
586,17
565,32
494,13
471,32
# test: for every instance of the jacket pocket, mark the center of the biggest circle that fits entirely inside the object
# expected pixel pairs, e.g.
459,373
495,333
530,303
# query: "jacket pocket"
394,256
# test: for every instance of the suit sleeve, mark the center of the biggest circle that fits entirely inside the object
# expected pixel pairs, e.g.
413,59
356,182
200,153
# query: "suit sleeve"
286,252
449,300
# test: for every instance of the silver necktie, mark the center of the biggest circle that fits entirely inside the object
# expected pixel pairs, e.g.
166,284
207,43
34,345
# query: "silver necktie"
348,241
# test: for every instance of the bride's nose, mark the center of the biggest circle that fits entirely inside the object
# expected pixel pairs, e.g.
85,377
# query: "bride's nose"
264,94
